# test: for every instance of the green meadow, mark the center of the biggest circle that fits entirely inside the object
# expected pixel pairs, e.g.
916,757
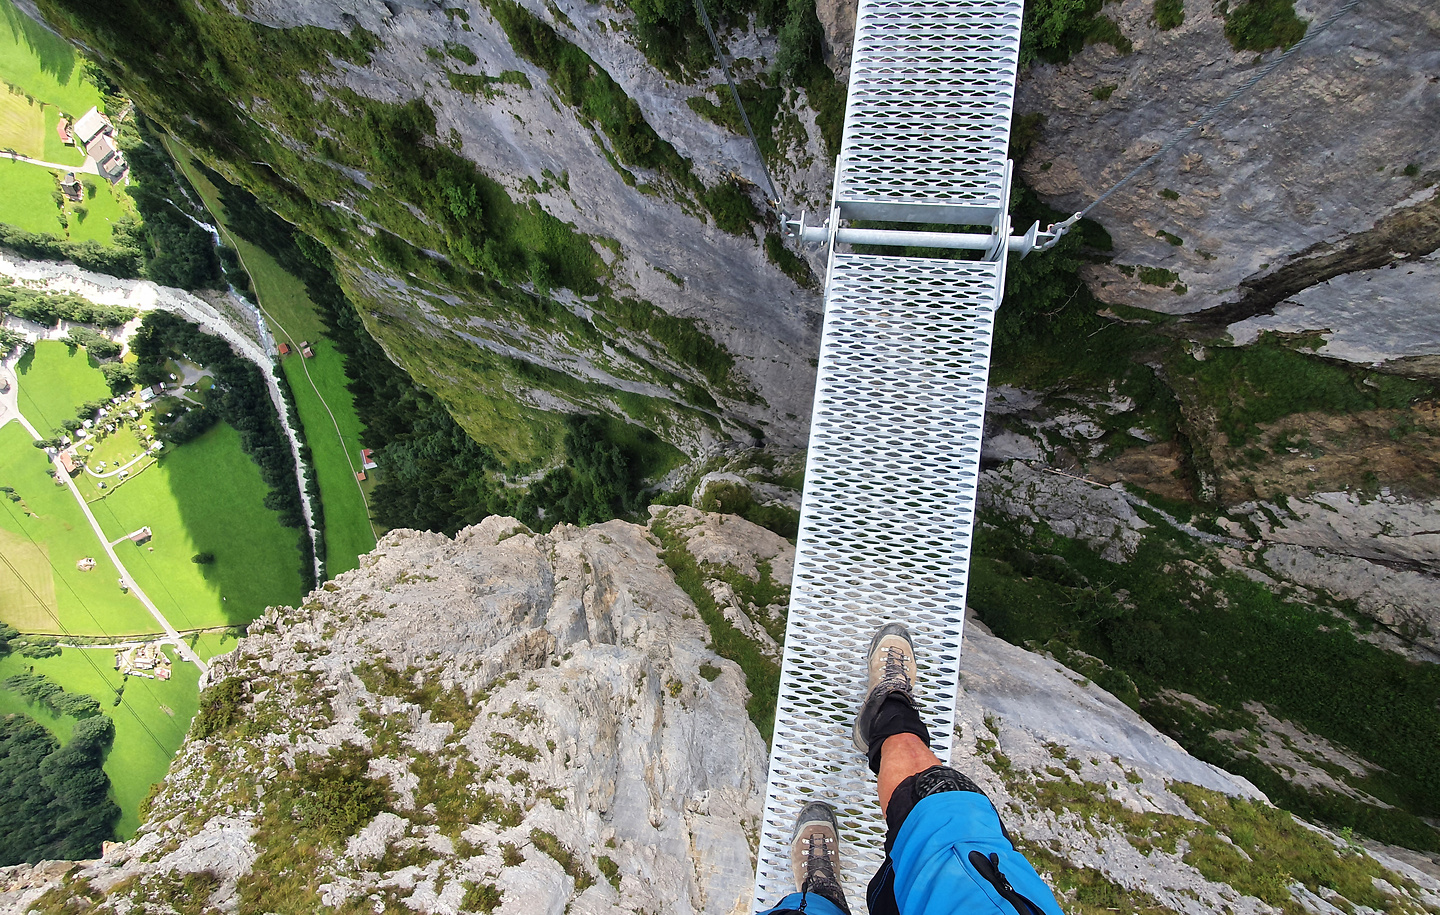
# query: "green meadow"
54,381
327,410
42,64
44,535
94,218
150,720
28,202
213,643
205,496
42,77
29,126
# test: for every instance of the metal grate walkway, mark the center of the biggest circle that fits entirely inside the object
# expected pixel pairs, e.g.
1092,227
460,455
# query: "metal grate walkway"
884,530
885,526
927,121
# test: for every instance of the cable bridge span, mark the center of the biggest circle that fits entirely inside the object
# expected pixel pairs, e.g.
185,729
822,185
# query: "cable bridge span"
888,510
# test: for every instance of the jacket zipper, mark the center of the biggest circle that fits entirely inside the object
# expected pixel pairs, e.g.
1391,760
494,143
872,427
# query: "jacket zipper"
989,868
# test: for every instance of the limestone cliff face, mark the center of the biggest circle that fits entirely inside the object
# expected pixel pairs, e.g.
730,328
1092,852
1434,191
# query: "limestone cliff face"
1287,188
519,723
1308,204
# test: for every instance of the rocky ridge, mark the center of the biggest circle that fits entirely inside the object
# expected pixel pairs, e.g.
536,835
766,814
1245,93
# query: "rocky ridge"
522,723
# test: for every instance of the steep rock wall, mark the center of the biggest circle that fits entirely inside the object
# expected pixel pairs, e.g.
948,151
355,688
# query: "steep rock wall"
1314,157
584,268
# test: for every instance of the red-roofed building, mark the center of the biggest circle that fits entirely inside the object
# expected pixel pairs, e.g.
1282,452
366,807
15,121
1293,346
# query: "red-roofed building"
67,463
284,349
367,459
63,129
360,475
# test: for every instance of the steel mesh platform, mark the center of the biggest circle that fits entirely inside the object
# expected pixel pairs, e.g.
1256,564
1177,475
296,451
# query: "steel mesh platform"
884,532
927,122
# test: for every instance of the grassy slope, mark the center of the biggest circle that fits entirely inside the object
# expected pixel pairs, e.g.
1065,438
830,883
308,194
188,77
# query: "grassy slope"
28,127
28,203
210,644
43,64
102,211
46,68
22,124
150,721
334,434
205,496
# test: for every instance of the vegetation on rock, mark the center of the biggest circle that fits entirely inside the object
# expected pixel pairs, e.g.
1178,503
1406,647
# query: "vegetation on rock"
1261,25
1057,30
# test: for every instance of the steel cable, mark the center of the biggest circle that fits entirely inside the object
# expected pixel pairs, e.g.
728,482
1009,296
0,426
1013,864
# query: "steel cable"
735,94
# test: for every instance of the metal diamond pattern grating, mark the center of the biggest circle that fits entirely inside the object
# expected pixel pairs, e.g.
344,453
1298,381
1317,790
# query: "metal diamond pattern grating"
927,122
884,532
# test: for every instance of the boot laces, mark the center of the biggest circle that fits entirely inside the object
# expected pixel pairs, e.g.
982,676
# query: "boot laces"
895,675
819,859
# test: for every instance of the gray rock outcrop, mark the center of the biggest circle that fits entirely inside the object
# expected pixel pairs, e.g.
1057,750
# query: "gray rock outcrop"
1097,515
539,727
1280,175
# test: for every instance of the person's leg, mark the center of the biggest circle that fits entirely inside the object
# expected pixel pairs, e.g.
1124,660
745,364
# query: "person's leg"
890,732
902,756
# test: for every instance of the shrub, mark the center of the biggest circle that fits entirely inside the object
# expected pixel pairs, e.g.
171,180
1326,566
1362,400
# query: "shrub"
203,559
1169,14
790,264
731,207
737,500
568,860
1056,30
338,798
1156,276
481,897
1260,25
219,708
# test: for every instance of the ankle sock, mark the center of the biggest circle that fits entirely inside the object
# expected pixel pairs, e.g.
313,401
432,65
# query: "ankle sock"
895,716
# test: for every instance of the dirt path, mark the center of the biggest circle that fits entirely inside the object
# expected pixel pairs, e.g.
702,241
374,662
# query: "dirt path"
89,168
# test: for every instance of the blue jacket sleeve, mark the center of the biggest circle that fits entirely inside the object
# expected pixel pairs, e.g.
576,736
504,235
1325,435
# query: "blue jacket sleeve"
933,870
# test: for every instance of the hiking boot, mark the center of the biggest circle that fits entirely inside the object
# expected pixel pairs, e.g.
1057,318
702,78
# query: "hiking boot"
892,672
815,853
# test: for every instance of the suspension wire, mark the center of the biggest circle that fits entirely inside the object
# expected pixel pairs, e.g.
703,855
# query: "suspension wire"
735,94
1209,115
